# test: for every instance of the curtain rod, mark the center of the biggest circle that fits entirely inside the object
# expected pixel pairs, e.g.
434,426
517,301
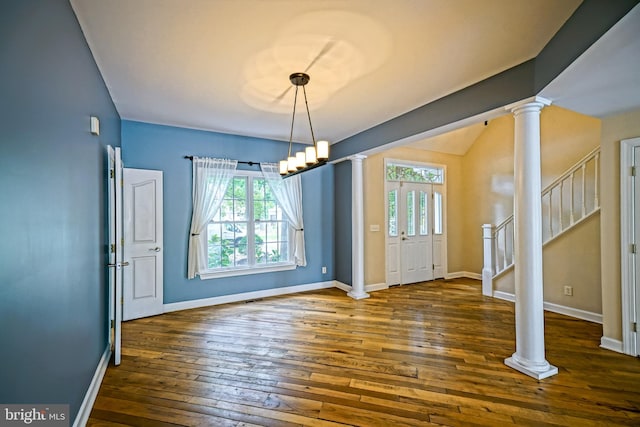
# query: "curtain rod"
244,163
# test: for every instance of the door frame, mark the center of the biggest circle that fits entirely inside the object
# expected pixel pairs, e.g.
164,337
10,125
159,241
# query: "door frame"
627,258
443,186
114,314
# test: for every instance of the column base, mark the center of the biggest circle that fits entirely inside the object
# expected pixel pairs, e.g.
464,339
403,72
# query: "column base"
537,372
356,295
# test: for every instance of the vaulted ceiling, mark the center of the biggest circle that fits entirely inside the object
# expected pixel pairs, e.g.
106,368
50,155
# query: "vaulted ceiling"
223,65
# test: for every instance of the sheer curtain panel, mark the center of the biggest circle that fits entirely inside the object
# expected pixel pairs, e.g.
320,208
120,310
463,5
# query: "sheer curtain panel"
211,178
288,193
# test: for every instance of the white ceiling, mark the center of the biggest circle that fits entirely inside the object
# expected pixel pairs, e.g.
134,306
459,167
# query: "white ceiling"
604,80
223,65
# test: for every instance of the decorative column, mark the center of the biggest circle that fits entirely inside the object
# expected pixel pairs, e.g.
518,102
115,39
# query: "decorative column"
487,270
357,229
529,357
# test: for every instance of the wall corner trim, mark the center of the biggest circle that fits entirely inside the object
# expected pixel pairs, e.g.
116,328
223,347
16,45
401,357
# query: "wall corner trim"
611,344
92,392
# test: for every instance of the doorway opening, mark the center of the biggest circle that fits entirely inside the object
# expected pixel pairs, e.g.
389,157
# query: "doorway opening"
415,212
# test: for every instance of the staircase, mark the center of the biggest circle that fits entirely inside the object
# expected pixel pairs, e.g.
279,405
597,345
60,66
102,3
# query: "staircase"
566,202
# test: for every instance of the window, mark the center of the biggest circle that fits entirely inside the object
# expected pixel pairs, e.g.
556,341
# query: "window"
249,233
393,212
408,173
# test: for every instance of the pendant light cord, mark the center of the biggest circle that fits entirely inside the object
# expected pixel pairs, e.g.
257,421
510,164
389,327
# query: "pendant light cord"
293,118
313,138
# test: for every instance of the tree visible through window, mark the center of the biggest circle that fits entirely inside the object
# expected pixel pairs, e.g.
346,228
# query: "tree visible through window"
408,173
249,230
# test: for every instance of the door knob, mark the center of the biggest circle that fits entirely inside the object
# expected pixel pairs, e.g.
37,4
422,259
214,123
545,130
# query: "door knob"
156,249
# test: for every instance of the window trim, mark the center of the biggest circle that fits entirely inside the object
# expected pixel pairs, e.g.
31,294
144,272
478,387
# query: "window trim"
256,269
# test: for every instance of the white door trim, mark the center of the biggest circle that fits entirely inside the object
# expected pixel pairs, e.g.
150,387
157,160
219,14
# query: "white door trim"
627,259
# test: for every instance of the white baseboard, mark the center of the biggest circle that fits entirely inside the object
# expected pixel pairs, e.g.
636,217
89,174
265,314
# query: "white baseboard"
504,296
246,296
611,344
460,274
343,286
375,287
92,392
556,308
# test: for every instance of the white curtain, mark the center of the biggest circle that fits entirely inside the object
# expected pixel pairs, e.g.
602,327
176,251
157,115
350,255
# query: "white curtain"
288,193
211,178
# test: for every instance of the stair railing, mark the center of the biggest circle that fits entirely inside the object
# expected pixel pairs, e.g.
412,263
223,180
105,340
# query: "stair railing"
568,200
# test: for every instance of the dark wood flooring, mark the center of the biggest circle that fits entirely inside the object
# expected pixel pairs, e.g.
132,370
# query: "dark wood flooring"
429,353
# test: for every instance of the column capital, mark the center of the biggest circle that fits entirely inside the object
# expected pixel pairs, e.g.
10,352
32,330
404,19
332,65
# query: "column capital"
357,157
536,102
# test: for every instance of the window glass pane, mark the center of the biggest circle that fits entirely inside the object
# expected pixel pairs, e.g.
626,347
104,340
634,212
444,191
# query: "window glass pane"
393,212
411,215
396,172
437,212
423,215
229,242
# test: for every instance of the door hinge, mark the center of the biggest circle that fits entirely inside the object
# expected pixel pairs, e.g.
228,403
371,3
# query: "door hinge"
433,266
122,241
633,248
121,300
112,173
634,327
112,323
113,248
633,171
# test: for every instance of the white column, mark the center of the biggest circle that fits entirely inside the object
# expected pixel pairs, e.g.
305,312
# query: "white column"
487,270
529,357
357,229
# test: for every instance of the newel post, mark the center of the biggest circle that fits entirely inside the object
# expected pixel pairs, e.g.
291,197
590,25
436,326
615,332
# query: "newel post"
487,269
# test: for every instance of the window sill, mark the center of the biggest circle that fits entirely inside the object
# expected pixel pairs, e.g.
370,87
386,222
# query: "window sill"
209,274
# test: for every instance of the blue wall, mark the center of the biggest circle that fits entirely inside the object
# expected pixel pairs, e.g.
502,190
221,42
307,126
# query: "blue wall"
53,327
342,215
149,146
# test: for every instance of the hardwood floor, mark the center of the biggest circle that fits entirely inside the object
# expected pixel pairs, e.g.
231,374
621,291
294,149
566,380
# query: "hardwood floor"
430,353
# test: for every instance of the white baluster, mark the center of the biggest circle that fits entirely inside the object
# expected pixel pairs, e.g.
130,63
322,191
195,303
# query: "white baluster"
596,201
584,189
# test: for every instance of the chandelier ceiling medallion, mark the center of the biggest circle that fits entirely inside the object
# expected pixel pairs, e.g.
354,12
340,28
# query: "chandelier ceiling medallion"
311,157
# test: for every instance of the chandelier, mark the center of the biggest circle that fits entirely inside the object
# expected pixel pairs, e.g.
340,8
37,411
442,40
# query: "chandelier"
311,157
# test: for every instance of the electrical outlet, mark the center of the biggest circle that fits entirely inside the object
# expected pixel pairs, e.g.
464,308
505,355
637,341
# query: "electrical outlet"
568,291
324,270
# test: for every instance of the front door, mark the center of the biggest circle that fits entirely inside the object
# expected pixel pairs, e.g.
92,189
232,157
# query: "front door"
143,244
411,228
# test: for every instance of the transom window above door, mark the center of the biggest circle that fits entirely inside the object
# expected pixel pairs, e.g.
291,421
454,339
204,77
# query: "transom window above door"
414,173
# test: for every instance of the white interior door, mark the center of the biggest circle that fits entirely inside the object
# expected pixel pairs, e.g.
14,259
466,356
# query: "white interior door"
115,250
143,244
636,238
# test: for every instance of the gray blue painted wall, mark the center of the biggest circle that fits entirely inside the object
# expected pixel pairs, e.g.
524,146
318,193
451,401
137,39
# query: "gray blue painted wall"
342,214
53,294
149,146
